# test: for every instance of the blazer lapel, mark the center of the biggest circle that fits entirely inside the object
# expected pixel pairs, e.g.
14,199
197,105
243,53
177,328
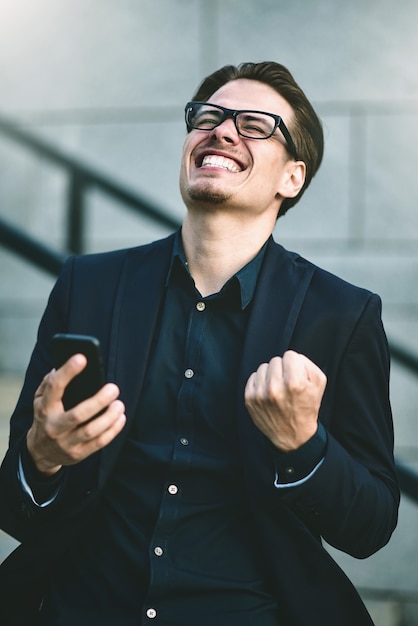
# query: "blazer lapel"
138,302
281,289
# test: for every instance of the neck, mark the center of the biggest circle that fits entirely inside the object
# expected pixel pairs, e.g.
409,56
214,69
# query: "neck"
217,248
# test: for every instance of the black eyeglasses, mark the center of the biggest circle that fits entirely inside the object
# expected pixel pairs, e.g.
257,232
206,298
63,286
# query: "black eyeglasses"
250,124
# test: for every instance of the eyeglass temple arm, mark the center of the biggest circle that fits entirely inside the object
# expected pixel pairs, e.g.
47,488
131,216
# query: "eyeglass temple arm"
288,138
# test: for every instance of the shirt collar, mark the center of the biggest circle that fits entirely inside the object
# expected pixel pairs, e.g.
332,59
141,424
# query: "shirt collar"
246,278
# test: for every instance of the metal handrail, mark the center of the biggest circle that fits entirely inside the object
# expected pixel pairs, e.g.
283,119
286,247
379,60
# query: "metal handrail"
408,479
404,357
83,177
30,249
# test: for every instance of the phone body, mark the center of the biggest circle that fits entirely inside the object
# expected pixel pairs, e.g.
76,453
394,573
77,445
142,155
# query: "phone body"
92,378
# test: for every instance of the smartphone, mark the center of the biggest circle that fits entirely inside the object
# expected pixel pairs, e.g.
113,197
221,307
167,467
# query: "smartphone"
92,378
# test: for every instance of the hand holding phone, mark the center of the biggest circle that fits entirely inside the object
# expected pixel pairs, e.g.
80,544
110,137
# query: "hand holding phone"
56,439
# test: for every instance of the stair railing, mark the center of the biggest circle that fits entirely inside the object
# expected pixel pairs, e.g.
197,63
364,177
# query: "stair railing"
83,177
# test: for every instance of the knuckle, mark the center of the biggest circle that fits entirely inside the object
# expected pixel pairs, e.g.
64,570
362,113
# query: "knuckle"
100,441
51,380
295,386
73,455
292,354
73,418
293,383
41,410
88,431
270,394
50,430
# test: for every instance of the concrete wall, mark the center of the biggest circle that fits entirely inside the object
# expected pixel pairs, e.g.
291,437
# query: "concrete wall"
107,80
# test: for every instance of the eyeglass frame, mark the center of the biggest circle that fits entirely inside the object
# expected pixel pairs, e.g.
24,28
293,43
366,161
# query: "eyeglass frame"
233,113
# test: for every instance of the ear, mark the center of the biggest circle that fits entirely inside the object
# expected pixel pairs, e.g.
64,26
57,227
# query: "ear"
292,180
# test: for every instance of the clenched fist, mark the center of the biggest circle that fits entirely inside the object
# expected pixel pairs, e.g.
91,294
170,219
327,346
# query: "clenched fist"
283,398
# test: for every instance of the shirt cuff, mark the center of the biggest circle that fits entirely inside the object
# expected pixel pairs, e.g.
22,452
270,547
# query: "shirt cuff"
294,468
42,490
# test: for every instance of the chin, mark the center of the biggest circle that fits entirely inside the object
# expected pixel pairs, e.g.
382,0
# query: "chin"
207,194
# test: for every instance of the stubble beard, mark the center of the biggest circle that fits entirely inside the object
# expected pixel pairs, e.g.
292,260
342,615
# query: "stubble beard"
207,194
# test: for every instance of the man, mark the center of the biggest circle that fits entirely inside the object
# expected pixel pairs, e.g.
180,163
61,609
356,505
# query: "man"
247,415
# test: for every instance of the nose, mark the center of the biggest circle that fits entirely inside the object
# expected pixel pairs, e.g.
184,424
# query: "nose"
226,131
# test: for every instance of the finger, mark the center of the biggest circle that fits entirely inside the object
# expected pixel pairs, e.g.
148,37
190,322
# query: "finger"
255,382
41,389
45,402
270,381
250,381
97,433
260,376
59,379
295,374
95,405
110,433
265,380
274,372
300,370
48,397
52,387
98,425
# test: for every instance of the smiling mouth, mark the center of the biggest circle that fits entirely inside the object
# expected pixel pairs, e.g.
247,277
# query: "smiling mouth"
213,160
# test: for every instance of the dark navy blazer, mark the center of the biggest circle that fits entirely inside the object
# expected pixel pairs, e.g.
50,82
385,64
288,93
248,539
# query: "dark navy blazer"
352,499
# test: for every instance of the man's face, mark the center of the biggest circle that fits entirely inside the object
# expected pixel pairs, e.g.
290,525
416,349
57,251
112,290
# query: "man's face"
222,169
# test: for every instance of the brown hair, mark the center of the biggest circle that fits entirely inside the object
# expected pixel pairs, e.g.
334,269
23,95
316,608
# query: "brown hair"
306,128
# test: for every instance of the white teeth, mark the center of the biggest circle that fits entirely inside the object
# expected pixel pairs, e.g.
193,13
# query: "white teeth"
219,161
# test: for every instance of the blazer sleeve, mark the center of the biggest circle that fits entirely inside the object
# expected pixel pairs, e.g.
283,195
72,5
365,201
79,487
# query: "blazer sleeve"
18,513
17,510
352,499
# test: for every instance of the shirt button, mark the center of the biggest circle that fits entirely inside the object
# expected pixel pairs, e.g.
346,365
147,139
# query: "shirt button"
184,441
189,373
173,489
158,551
290,470
151,613
200,306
